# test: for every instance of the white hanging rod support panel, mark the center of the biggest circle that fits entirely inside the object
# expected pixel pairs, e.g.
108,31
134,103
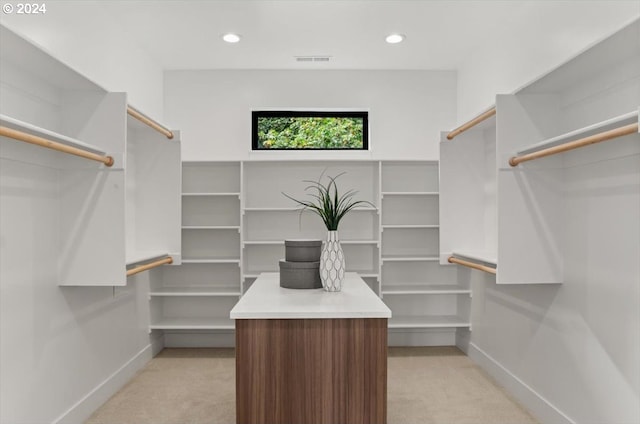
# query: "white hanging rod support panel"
168,260
454,260
54,145
475,121
150,122
592,139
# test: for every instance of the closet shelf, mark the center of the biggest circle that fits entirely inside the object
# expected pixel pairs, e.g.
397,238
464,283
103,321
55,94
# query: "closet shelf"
211,261
409,226
135,258
410,193
416,288
295,209
210,227
231,194
193,324
196,291
365,273
362,273
16,124
609,124
281,242
429,321
397,258
487,258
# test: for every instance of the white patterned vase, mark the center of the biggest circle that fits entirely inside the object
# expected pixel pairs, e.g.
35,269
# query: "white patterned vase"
332,263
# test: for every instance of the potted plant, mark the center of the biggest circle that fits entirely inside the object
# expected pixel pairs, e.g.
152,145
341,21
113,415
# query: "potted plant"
331,207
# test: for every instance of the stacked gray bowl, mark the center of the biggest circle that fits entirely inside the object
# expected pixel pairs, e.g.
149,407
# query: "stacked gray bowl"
301,267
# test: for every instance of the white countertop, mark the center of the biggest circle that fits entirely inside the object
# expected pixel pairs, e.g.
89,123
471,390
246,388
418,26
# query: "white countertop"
267,300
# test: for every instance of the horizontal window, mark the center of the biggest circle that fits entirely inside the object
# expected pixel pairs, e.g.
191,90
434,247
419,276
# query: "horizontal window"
310,130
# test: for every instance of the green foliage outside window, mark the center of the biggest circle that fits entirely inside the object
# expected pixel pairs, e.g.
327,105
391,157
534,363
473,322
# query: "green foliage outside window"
310,133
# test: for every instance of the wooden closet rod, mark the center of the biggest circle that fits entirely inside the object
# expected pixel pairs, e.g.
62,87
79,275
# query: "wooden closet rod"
148,121
475,121
454,260
150,265
592,139
54,145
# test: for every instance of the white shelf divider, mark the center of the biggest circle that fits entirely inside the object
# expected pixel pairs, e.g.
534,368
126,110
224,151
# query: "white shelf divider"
196,291
211,261
429,321
210,227
410,193
138,257
485,257
410,259
415,288
211,194
193,324
409,226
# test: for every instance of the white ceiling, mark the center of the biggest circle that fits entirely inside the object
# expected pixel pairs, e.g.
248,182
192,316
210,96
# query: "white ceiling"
186,34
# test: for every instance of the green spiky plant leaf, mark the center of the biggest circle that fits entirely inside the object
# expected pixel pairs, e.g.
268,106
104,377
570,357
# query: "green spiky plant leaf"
327,202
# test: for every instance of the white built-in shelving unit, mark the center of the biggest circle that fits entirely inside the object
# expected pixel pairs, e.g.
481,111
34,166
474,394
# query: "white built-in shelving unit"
199,294
236,218
422,294
98,217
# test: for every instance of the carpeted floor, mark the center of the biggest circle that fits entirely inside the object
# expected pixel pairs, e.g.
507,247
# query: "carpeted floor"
435,385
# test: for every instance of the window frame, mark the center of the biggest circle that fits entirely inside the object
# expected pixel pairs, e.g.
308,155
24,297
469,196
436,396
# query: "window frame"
362,114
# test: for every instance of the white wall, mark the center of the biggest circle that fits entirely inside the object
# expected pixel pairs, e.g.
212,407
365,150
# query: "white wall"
84,36
503,65
407,109
570,352
64,350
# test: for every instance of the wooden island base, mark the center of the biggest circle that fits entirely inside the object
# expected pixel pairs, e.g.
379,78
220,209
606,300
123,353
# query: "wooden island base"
302,371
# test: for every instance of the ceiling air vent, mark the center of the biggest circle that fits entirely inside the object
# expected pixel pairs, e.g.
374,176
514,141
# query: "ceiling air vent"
313,58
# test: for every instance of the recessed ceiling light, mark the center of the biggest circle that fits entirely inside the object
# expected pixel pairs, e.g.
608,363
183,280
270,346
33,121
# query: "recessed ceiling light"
394,38
231,38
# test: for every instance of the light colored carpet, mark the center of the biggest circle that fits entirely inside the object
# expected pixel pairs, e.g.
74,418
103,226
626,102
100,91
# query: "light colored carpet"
434,385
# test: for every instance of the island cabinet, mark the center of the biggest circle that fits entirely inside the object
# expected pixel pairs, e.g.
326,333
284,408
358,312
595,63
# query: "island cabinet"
310,356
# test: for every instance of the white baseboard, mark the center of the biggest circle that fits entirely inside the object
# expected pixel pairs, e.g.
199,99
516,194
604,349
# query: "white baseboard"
83,409
540,407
